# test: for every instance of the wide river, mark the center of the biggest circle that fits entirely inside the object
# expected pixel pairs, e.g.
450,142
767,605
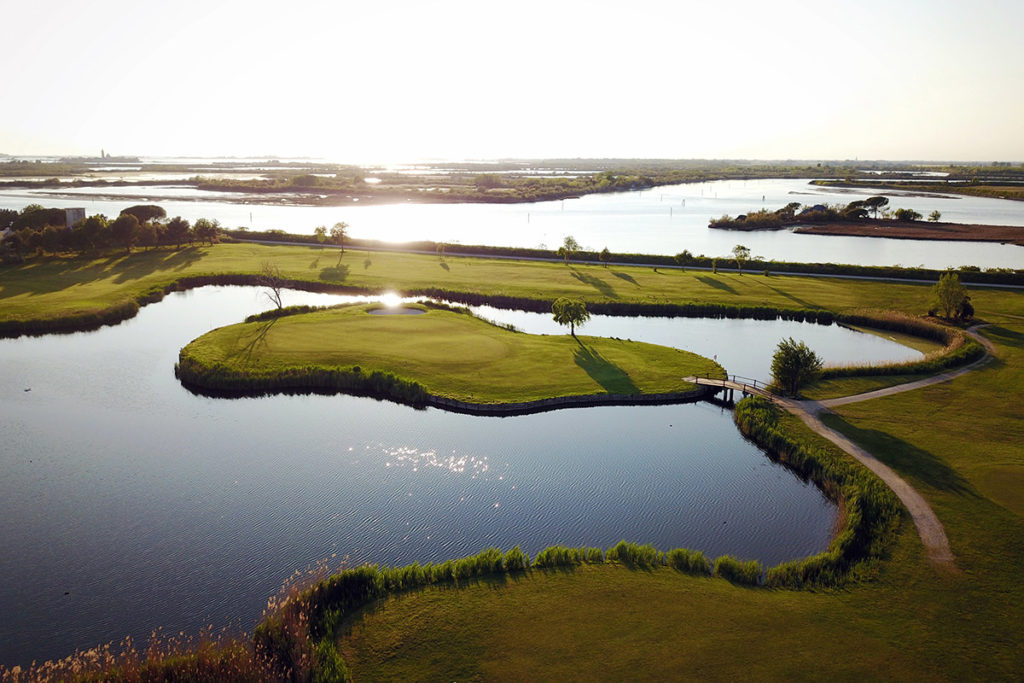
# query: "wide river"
665,220
129,503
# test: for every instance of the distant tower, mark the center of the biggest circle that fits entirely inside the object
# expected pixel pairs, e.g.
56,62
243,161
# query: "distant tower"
103,154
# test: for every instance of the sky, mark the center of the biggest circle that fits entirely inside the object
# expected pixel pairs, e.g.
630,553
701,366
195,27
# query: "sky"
397,80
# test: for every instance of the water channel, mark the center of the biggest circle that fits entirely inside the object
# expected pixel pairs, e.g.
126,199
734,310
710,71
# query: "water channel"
664,220
129,503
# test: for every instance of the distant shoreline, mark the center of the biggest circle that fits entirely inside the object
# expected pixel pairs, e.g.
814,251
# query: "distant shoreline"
920,230
907,230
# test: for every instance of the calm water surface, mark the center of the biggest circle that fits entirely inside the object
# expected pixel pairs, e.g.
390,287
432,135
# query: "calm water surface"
129,503
664,220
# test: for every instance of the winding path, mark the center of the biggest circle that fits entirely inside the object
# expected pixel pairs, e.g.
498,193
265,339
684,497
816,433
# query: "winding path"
929,528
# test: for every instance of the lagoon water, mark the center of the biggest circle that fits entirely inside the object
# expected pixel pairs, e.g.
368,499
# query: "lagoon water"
129,503
664,220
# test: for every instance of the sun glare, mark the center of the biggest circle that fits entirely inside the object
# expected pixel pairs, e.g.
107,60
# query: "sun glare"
391,300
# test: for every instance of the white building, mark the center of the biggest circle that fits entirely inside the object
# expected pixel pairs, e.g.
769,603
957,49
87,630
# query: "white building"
72,216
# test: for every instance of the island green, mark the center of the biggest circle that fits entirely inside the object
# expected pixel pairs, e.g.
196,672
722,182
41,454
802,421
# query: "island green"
451,354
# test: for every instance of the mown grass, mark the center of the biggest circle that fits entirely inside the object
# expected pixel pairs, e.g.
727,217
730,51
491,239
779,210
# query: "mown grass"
958,443
53,287
849,386
450,354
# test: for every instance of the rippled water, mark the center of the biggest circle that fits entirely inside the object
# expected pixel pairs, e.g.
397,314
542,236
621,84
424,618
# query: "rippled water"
130,503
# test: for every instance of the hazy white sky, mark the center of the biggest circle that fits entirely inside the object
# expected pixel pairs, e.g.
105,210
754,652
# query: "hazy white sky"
389,80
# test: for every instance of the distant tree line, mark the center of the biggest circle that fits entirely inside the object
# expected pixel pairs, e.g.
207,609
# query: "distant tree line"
36,229
792,214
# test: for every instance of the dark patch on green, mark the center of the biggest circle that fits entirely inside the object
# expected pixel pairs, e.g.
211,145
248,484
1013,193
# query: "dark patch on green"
597,283
780,292
904,457
334,273
604,372
716,283
1004,336
627,277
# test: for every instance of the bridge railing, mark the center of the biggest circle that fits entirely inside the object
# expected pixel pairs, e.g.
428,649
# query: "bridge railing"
740,381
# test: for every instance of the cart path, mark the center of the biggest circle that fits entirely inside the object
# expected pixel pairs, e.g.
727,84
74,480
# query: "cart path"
929,528
818,406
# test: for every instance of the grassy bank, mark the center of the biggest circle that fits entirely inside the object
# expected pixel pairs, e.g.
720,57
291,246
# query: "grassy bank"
54,292
440,353
958,443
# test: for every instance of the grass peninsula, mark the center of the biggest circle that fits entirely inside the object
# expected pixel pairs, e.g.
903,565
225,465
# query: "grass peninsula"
422,352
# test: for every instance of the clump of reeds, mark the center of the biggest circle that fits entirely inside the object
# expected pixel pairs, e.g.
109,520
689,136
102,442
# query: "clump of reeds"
688,561
738,571
634,555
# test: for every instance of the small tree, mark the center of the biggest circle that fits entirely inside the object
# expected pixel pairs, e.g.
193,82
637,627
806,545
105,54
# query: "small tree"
338,233
908,215
571,312
934,216
950,297
125,231
206,230
876,204
270,277
148,234
177,231
605,256
569,247
321,235
741,254
146,212
794,365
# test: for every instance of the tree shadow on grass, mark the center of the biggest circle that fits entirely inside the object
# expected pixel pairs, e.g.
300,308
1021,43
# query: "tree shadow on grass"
1004,336
904,457
139,265
625,276
336,273
597,283
716,283
604,372
445,266
802,302
257,340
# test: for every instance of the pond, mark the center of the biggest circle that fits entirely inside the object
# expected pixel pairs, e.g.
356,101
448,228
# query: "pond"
664,220
130,503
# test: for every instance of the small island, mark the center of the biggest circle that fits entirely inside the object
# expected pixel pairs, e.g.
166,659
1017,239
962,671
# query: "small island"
444,357
867,218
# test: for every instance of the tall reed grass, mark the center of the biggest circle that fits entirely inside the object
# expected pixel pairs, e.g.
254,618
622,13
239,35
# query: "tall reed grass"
872,513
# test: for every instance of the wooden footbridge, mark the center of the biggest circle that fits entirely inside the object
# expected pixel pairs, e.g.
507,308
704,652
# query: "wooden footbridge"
733,383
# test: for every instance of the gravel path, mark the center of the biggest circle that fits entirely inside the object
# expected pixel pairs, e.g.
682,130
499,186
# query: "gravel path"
929,528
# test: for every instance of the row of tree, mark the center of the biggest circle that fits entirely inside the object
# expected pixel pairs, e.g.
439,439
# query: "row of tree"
37,229
875,207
